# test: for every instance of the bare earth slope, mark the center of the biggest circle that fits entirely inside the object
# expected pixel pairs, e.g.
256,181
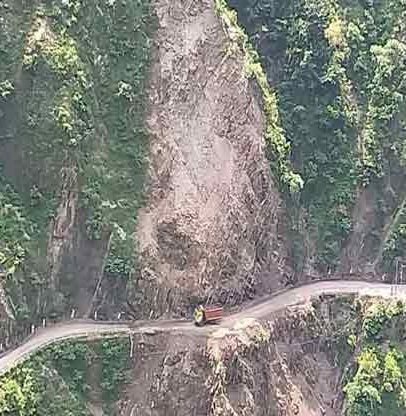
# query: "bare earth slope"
212,217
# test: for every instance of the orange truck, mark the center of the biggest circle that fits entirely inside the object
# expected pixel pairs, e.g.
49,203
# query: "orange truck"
207,314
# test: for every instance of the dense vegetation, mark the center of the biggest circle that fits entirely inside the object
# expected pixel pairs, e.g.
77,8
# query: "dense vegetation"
72,75
378,386
338,71
57,380
72,80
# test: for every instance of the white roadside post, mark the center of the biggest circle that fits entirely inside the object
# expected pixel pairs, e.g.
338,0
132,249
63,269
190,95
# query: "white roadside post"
131,346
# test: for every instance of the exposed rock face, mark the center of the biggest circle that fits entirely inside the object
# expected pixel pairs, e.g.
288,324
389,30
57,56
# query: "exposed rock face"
168,378
211,224
364,250
265,369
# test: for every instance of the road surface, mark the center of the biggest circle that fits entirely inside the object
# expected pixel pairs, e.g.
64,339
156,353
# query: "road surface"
268,305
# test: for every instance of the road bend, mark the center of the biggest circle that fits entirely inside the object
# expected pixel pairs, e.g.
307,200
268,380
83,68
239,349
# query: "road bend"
87,329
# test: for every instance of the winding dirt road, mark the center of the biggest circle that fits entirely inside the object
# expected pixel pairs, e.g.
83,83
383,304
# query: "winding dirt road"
93,330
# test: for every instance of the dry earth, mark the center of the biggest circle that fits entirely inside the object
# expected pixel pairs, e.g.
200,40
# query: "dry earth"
274,368
211,223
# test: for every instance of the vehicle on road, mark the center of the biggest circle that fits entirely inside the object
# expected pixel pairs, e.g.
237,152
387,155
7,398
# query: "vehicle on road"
207,314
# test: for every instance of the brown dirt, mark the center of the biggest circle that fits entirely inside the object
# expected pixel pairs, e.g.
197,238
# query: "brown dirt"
212,217
168,378
374,215
364,215
278,368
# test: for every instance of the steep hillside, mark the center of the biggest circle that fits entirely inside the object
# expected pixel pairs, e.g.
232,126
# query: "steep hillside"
332,356
211,227
262,168
73,378
84,117
338,68
158,154
72,153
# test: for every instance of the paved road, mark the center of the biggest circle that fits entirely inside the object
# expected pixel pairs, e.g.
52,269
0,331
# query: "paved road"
268,305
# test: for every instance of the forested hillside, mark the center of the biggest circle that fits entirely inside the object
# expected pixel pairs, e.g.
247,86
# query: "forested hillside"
338,69
72,150
156,155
